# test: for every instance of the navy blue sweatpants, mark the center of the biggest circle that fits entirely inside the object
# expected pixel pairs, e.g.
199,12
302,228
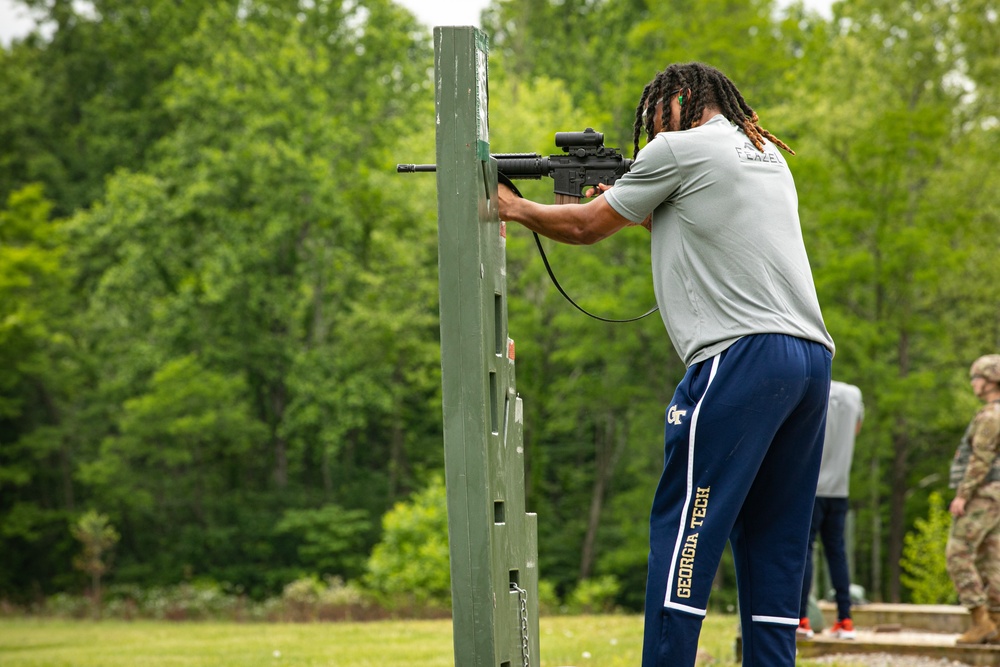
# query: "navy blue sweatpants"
743,442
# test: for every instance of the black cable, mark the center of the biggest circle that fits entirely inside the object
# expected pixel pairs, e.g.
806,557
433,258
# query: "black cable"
545,260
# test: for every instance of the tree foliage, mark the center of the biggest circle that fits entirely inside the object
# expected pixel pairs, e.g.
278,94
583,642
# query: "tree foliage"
218,303
925,569
97,538
410,564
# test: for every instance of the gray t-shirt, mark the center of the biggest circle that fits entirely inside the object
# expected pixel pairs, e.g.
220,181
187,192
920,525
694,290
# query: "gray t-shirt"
727,252
845,413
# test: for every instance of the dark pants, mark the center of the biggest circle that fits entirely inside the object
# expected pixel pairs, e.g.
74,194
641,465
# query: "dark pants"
742,445
828,519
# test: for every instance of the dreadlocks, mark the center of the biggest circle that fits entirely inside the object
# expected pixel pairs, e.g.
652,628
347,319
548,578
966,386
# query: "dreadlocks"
709,87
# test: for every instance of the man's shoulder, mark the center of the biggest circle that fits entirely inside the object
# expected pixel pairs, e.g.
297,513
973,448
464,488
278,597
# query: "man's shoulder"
845,390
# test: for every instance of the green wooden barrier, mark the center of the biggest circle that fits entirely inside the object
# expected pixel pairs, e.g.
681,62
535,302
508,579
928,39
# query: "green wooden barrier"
493,540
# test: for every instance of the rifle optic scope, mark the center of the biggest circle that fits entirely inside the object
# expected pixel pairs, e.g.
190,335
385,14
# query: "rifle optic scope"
586,138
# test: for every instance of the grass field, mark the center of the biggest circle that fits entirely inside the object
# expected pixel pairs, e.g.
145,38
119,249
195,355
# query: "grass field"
565,640
583,641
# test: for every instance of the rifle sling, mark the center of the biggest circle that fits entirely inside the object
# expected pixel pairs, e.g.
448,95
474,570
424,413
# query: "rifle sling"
545,260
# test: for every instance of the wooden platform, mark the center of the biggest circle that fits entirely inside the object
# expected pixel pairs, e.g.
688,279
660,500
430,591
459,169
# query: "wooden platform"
929,617
929,645
900,629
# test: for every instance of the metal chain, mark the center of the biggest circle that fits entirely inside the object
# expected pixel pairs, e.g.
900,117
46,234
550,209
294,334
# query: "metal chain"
523,597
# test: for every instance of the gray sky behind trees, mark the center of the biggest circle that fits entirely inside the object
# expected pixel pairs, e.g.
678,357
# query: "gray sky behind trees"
15,22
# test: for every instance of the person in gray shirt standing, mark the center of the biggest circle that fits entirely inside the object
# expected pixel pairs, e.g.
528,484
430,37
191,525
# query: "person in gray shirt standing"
743,432
844,415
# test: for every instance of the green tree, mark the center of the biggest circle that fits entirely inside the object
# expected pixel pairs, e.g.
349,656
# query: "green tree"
98,537
331,539
411,563
246,245
39,374
30,270
532,39
87,99
925,570
194,428
245,349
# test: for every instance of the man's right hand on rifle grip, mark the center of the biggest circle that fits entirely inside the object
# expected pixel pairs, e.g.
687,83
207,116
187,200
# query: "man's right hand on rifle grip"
599,189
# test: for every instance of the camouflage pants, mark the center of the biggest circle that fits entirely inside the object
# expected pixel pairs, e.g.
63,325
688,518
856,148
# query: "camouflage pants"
973,550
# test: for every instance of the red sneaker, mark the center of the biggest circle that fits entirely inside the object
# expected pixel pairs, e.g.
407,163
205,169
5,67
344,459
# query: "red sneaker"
804,631
844,629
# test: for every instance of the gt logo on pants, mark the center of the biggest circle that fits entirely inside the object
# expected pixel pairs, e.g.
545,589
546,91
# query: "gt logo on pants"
674,415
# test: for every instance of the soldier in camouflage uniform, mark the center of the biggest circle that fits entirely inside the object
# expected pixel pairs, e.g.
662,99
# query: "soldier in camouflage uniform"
973,549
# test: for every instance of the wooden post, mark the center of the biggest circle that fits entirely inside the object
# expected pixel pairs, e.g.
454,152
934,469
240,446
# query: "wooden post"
493,540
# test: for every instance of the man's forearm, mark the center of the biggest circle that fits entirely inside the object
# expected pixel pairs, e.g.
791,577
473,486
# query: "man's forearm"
575,224
559,222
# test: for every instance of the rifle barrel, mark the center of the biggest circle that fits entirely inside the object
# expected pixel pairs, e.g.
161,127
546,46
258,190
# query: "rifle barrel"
410,168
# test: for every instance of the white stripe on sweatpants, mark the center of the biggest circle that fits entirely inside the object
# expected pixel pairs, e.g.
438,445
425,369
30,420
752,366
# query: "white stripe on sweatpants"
779,620
690,485
684,607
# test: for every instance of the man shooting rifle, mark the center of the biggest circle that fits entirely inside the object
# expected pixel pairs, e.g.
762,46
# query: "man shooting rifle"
585,163
744,430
